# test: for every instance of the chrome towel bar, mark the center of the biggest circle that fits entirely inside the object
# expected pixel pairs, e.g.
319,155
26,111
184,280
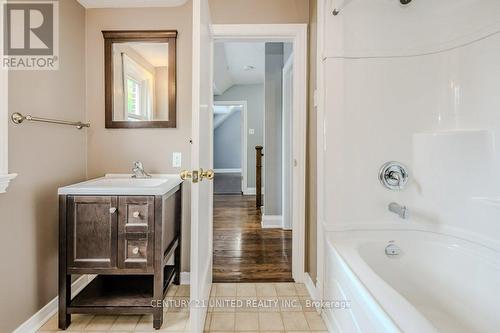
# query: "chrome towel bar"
18,118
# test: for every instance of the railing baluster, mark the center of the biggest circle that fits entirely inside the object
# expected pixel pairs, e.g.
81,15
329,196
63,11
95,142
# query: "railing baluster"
258,175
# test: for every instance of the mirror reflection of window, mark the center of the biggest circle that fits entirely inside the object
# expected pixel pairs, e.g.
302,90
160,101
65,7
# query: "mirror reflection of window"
133,99
138,94
142,69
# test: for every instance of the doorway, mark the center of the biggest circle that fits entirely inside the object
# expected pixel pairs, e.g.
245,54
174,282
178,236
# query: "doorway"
250,243
230,147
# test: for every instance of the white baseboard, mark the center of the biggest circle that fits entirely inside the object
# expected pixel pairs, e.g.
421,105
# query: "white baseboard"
227,171
185,278
272,221
314,292
249,191
48,311
311,288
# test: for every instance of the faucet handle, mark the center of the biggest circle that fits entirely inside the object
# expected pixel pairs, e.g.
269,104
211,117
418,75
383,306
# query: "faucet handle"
405,214
138,164
393,175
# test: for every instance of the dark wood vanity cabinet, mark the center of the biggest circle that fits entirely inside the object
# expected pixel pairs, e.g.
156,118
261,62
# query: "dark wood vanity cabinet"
92,232
132,243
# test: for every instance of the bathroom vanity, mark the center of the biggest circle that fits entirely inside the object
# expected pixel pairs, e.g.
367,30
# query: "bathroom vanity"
127,232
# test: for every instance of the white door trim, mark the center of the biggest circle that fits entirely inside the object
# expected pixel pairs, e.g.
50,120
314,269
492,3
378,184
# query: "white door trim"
244,140
321,146
297,34
5,177
286,151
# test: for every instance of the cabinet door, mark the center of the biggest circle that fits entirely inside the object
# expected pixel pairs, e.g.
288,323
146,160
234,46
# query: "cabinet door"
92,231
136,232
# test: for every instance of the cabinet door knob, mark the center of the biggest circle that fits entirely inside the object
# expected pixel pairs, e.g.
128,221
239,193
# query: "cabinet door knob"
112,210
136,214
135,250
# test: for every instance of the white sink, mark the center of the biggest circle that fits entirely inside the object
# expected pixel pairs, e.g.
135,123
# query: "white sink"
123,184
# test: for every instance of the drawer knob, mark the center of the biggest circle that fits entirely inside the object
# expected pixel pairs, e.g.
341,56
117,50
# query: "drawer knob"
112,210
135,250
136,214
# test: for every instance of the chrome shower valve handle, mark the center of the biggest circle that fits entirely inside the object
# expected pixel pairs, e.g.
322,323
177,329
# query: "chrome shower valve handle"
393,175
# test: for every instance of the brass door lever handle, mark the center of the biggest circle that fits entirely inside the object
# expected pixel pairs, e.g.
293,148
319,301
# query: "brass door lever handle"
197,176
185,175
208,174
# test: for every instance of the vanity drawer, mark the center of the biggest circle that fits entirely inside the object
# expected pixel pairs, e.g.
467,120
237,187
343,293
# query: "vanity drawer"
135,232
135,214
135,250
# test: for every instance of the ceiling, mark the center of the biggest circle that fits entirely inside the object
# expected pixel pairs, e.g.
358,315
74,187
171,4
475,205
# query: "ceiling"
130,3
238,63
155,53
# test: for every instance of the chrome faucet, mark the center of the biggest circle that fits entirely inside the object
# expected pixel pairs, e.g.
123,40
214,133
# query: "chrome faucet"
401,211
138,171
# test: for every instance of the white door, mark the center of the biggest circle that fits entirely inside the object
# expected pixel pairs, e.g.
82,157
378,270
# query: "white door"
201,158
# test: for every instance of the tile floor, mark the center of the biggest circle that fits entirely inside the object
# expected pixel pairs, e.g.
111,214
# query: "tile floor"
235,307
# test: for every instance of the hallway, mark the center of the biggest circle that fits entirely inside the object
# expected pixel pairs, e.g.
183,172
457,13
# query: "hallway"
243,251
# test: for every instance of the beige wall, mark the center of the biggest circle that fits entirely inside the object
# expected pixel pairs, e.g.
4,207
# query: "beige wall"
45,157
114,150
259,11
311,188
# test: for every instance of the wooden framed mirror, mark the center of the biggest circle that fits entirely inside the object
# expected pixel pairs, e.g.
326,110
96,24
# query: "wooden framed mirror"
140,79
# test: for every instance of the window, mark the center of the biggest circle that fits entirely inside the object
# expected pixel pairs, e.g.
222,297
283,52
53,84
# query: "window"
133,100
138,90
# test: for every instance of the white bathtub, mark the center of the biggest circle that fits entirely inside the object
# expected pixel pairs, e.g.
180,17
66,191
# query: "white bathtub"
437,284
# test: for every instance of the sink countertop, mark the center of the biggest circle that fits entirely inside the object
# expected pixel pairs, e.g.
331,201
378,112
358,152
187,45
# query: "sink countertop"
123,184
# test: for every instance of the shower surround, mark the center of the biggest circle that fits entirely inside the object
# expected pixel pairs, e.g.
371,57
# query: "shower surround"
417,84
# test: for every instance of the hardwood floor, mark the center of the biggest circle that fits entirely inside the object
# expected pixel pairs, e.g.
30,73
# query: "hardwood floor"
243,251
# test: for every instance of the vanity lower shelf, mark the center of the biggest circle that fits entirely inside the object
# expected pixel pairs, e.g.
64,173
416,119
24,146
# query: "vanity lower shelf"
116,291
120,291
